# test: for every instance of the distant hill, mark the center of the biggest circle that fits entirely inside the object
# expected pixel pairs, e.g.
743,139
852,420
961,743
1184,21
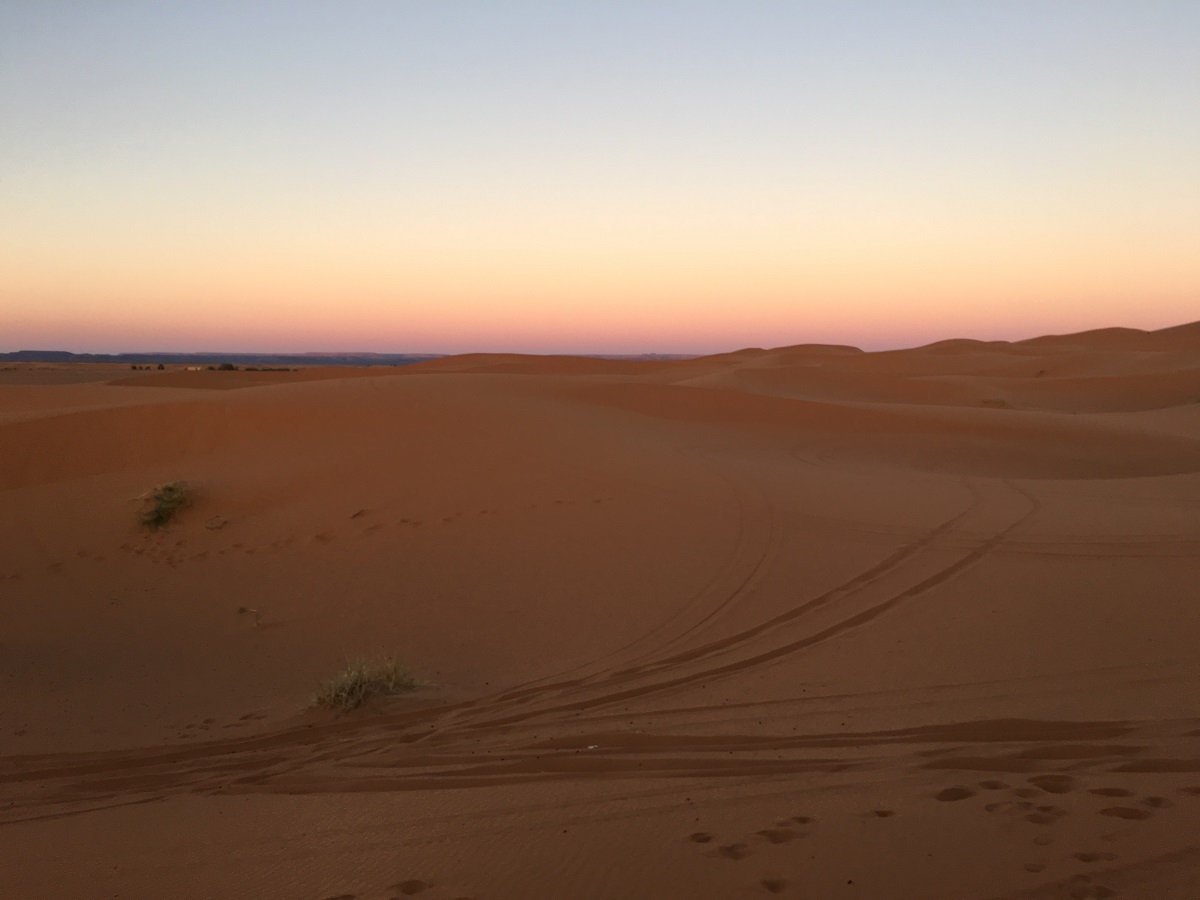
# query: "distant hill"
212,359
264,359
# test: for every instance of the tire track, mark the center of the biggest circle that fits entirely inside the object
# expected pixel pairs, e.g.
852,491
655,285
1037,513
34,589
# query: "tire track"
845,625
858,582
530,693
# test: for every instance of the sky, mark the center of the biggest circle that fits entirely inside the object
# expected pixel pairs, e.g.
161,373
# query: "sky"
608,177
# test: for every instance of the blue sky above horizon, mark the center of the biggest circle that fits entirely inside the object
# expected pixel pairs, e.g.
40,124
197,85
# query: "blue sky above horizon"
587,177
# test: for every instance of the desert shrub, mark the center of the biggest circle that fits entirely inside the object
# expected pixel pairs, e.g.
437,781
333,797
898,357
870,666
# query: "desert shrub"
361,680
226,367
162,502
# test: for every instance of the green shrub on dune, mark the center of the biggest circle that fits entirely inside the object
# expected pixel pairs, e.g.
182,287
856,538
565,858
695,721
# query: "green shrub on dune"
163,501
360,680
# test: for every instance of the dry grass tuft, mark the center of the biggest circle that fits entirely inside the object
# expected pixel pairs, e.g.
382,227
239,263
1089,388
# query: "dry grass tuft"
163,501
360,680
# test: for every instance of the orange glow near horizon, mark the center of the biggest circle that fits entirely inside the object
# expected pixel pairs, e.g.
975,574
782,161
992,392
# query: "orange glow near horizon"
584,292
166,189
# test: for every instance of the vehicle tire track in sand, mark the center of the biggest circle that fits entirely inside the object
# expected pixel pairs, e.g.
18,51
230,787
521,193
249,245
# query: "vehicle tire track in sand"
380,762
531,692
840,627
857,582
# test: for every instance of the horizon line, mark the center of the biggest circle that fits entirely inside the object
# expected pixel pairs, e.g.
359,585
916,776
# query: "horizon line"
597,353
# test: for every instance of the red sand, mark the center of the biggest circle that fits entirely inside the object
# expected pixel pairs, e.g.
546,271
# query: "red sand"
808,622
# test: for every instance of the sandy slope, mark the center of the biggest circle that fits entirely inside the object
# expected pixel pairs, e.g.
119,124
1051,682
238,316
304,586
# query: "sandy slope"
807,622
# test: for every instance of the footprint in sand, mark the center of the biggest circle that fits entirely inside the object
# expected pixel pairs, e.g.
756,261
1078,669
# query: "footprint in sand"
1054,784
803,820
1035,866
993,785
1126,812
1045,815
1091,857
342,897
950,794
732,851
700,837
1026,792
1157,802
883,813
1111,792
412,886
777,835
773,885
1080,887
1010,806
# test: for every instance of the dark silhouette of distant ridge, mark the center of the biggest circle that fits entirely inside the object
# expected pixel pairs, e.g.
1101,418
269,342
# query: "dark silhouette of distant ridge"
265,359
212,359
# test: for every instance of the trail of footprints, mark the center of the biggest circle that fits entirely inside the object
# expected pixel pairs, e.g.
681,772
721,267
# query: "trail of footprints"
174,554
156,548
1080,885
783,831
196,729
1021,802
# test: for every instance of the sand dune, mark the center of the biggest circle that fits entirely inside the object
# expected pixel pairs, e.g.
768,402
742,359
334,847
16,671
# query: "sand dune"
806,621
